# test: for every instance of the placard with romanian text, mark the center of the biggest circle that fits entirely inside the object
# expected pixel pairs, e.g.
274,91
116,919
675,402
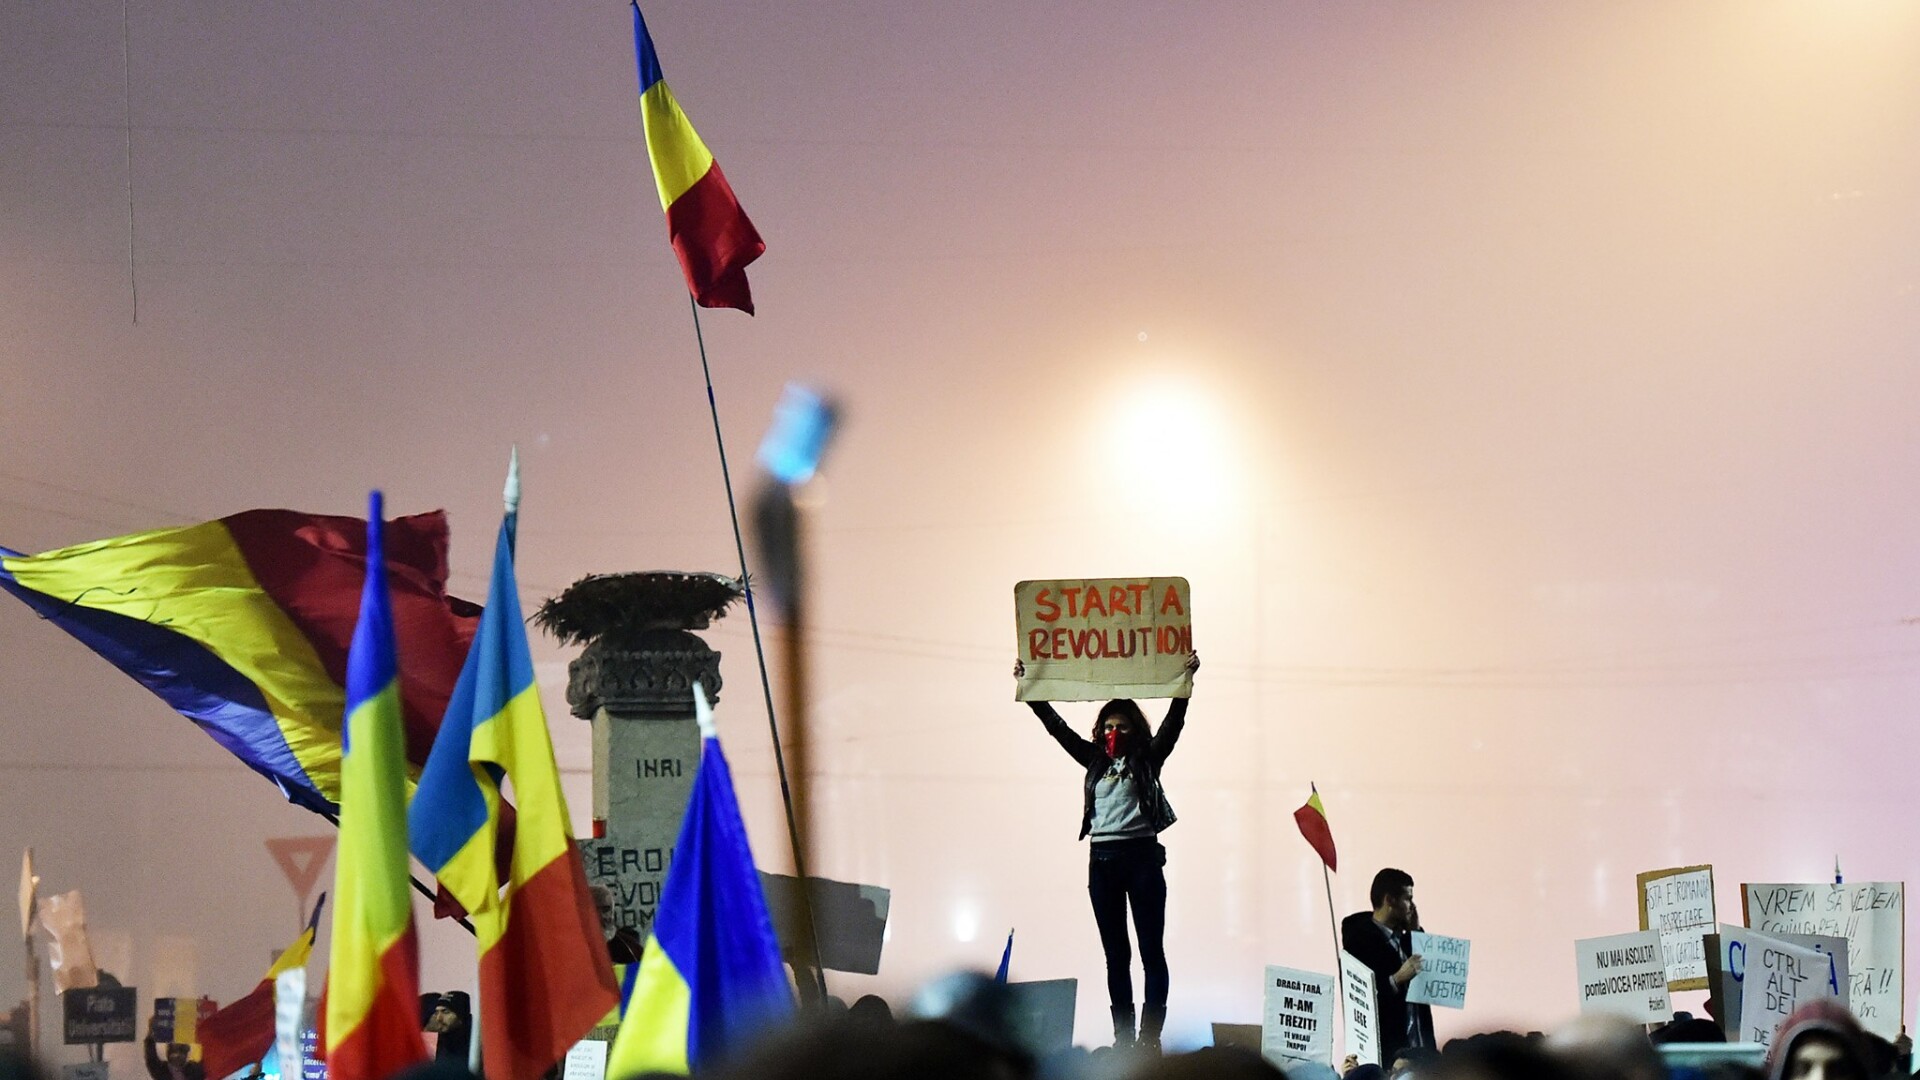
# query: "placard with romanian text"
1871,915
1679,904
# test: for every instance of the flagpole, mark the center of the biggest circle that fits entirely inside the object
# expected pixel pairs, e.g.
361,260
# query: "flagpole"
418,885
760,654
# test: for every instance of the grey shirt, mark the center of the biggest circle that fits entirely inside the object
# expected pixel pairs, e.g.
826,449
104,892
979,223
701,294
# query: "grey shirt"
1116,805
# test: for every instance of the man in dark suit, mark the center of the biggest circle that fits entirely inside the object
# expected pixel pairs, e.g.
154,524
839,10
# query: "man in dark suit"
1382,940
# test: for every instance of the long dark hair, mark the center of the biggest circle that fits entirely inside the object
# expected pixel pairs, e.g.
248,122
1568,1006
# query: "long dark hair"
1123,707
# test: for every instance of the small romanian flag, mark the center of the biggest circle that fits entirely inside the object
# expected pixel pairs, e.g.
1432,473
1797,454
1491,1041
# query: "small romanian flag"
709,231
242,1033
1312,819
545,979
372,1009
711,980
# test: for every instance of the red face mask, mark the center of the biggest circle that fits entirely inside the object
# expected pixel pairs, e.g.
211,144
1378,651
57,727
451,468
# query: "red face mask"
1113,741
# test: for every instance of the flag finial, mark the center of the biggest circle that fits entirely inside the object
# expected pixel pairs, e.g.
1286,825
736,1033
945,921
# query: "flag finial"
703,712
511,496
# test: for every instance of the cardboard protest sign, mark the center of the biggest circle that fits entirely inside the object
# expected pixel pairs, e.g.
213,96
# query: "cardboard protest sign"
1361,1010
1727,953
1443,971
1090,640
586,1060
1624,975
1779,977
1296,1023
1679,904
1870,915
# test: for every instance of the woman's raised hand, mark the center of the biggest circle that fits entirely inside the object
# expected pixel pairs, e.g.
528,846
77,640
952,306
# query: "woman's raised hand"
1019,669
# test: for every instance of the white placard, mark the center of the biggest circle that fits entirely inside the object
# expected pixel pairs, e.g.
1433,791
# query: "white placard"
1624,975
586,1061
1679,904
1297,1022
86,1070
1779,977
1360,1010
1871,915
1443,971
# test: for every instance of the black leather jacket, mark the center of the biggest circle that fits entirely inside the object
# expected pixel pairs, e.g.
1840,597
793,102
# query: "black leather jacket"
1143,764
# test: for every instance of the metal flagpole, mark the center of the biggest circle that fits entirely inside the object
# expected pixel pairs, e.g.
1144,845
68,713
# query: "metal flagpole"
760,653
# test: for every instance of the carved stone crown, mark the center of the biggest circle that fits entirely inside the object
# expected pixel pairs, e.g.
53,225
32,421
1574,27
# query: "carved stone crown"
647,674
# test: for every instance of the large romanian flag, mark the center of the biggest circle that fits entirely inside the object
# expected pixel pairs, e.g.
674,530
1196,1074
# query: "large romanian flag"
545,979
710,232
372,1021
242,1033
242,625
710,980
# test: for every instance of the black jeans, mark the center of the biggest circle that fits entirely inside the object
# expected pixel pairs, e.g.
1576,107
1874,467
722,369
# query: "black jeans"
1123,873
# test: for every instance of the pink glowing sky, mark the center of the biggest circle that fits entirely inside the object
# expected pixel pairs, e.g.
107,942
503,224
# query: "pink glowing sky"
1527,392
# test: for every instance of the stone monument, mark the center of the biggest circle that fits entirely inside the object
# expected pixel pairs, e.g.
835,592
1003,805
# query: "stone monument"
634,683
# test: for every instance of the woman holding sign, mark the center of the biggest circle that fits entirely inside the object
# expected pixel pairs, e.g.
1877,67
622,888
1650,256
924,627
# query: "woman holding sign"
1124,812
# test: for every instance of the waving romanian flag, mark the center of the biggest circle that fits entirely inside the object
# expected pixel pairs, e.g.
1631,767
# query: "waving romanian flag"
710,232
242,1033
1312,819
242,624
372,1015
545,978
710,980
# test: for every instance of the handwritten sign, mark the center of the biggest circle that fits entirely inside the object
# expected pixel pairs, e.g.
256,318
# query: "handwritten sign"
1443,971
1360,1009
1090,640
1727,953
1624,975
1297,1023
587,1060
1870,915
1679,904
1779,977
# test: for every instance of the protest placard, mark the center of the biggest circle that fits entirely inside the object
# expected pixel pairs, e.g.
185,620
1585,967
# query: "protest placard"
1870,915
1727,953
1361,1010
1443,971
1679,904
586,1060
1297,1021
1090,640
1779,977
1624,975
86,1070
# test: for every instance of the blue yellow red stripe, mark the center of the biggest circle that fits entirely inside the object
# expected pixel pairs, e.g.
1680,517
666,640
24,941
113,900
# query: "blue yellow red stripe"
373,980
711,978
545,977
705,223
241,625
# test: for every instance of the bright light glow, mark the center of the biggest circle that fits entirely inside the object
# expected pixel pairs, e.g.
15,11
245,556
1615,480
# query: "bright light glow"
1166,441
966,923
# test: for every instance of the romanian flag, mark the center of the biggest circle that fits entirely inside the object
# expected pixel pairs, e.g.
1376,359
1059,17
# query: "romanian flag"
242,625
1312,819
710,979
545,978
710,232
242,1033
372,1013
